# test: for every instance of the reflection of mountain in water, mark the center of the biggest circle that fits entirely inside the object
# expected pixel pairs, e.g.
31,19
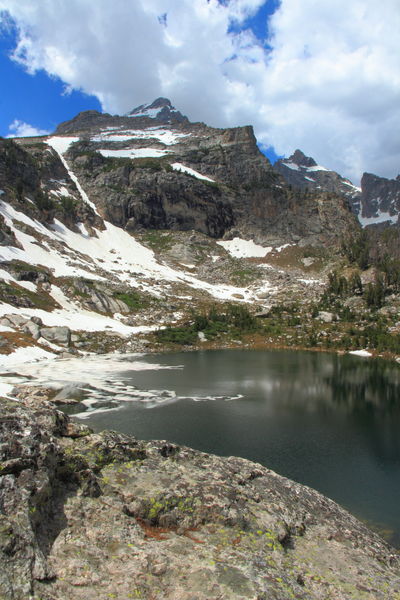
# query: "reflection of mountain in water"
369,391
360,384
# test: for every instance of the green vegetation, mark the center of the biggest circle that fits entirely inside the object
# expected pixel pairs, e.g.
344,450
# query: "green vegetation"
43,200
68,204
234,320
21,297
158,239
153,164
244,276
133,300
357,249
386,281
111,163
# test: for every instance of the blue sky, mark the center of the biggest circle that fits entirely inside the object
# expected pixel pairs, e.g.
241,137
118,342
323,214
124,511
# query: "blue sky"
44,101
36,99
323,77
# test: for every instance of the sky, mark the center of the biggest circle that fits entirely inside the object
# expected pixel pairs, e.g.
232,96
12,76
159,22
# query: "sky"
322,76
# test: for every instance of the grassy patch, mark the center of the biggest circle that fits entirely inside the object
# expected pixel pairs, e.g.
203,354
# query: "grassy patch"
133,300
113,163
153,164
244,276
21,297
159,240
19,266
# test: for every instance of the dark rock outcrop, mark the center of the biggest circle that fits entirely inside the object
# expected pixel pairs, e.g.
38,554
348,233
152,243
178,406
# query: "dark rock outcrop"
380,195
31,176
90,516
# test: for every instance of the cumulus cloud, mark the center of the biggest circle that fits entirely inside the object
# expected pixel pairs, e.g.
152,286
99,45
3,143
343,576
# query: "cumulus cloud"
21,129
328,81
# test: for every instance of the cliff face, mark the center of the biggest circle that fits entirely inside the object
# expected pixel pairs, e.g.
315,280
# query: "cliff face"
93,516
181,175
34,181
380,198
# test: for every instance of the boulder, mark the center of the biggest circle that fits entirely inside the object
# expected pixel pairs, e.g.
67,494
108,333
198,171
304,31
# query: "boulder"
16,320
326,317
32,329
56,335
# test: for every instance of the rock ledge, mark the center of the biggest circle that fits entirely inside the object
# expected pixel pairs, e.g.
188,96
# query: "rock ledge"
99,516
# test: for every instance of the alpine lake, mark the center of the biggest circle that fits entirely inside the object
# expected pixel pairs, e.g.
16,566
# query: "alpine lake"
328,421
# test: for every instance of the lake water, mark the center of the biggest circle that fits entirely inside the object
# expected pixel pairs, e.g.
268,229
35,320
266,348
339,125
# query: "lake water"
331,422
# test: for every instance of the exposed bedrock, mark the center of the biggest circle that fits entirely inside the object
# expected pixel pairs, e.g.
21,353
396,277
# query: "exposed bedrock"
93,516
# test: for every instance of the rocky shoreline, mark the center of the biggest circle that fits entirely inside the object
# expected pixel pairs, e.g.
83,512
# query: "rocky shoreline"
99,516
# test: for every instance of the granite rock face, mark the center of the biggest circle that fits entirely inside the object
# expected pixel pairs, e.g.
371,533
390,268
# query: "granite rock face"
376,201
91,516
154,169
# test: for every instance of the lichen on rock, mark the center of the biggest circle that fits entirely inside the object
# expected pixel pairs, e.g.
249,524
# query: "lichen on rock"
98,516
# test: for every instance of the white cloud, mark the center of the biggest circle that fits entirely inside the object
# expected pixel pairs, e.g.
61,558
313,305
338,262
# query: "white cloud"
330,85
21,129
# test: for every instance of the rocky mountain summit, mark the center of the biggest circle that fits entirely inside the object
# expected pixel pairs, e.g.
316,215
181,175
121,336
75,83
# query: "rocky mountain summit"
86,515
377,201
161,110
303,172
183,176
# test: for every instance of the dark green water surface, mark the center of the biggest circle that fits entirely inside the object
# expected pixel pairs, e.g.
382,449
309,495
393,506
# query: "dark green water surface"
331,422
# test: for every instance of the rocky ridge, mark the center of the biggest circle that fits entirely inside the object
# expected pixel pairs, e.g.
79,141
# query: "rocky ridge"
303,172
377,201
103,515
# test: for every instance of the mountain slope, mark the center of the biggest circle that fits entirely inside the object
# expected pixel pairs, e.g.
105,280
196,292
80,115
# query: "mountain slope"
112,224
183,175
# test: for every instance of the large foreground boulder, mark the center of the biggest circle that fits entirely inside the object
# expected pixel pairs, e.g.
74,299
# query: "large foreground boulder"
98,516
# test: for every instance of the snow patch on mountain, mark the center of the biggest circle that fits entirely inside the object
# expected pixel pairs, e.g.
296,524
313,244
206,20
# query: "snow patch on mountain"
146,112
165,136
183,169
316,168
61,145
21,356
111,252
291,165
239,248
133,153
381,217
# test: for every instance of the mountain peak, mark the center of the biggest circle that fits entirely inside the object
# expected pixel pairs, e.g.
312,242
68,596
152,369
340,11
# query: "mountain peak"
300,159
161,102
161,109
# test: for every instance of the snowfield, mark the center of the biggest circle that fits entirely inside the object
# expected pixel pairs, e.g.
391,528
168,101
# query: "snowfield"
111,252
